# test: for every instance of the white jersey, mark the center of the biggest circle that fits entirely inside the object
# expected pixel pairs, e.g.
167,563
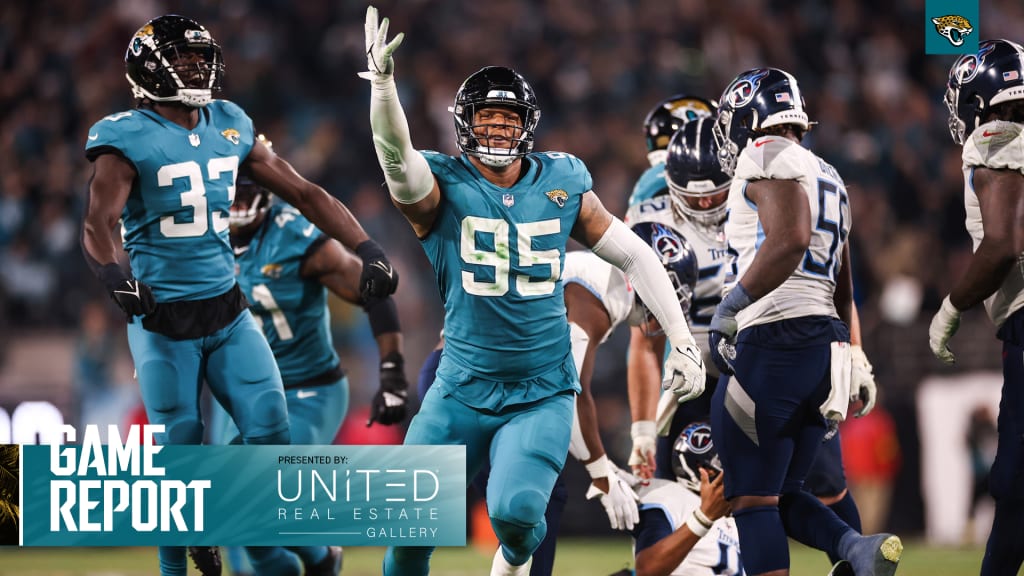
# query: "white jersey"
998,145
712,250
717,553
606,282
810,289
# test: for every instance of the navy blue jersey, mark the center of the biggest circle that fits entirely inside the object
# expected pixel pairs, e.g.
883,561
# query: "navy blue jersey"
175,222
291,309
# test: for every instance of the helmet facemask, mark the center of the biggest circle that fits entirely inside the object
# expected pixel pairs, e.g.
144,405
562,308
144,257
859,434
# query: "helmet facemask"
504,89
474,137
251,201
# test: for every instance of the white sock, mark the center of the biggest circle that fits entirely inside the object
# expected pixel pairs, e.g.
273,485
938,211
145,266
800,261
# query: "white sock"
501,567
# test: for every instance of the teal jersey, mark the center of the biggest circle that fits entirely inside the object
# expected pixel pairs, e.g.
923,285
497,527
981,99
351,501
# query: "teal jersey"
651,183
175,222
292,310
498,254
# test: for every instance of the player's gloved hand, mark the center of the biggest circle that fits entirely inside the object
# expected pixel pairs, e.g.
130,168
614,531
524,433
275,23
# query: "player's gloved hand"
389,403
133,296
944,324
722,331
863,386
378,278
641,458
619,500
684,371
379,64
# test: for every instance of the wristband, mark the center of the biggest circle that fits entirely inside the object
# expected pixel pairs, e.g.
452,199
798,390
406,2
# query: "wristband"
111,275
737,299
694,524
643,428
702,518
383,316
369,250
598,468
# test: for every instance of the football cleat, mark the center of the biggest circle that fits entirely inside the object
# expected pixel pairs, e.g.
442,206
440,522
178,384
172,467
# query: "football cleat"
875,555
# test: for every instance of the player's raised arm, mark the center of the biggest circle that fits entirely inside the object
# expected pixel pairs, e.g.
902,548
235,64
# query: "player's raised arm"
413,188
378,278
610,239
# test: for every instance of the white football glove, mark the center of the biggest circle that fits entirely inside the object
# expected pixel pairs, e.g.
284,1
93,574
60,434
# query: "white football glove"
684,372
863,386
620,501
944,325
379,64
644,443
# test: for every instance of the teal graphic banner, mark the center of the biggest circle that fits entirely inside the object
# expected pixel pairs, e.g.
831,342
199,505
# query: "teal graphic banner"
145,495
951,27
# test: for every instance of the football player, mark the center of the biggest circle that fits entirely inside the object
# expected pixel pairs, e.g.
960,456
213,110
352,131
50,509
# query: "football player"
165,171
494,223
661,122
697,191
780,328
597,299
285,268
985,97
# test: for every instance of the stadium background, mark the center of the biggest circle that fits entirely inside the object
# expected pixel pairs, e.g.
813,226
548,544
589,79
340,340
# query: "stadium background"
597,66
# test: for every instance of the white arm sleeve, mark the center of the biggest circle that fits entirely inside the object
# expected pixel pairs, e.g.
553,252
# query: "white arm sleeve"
580,340
405,169
626,251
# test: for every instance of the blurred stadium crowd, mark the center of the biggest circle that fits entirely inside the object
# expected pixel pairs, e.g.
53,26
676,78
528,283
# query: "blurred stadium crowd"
597,66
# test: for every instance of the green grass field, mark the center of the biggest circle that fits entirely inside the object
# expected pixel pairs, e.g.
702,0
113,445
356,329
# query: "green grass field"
576,557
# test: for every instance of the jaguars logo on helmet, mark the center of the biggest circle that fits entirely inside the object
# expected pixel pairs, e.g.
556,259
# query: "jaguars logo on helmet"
667,116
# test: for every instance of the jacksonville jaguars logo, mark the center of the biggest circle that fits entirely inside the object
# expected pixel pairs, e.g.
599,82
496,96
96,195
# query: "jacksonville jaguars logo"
966,68
232,135
698,438
558,196
272,270
687,109
953,28
742,91
667,244
142,39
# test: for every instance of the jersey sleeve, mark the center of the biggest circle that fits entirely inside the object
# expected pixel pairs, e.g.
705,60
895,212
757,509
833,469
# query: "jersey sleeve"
998,145
112,135
300,235
441,165
579,169
771,158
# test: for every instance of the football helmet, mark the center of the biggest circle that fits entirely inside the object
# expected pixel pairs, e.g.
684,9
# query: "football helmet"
667,117
978,81
174,59
251,199
693,174
679,260
495,86
755,100
693,450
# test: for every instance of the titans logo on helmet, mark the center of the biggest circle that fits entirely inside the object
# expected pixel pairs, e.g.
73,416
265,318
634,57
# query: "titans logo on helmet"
744,89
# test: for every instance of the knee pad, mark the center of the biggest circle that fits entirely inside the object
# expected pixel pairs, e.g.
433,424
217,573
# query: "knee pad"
182,431
524,508
407,560
274,560
519,541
